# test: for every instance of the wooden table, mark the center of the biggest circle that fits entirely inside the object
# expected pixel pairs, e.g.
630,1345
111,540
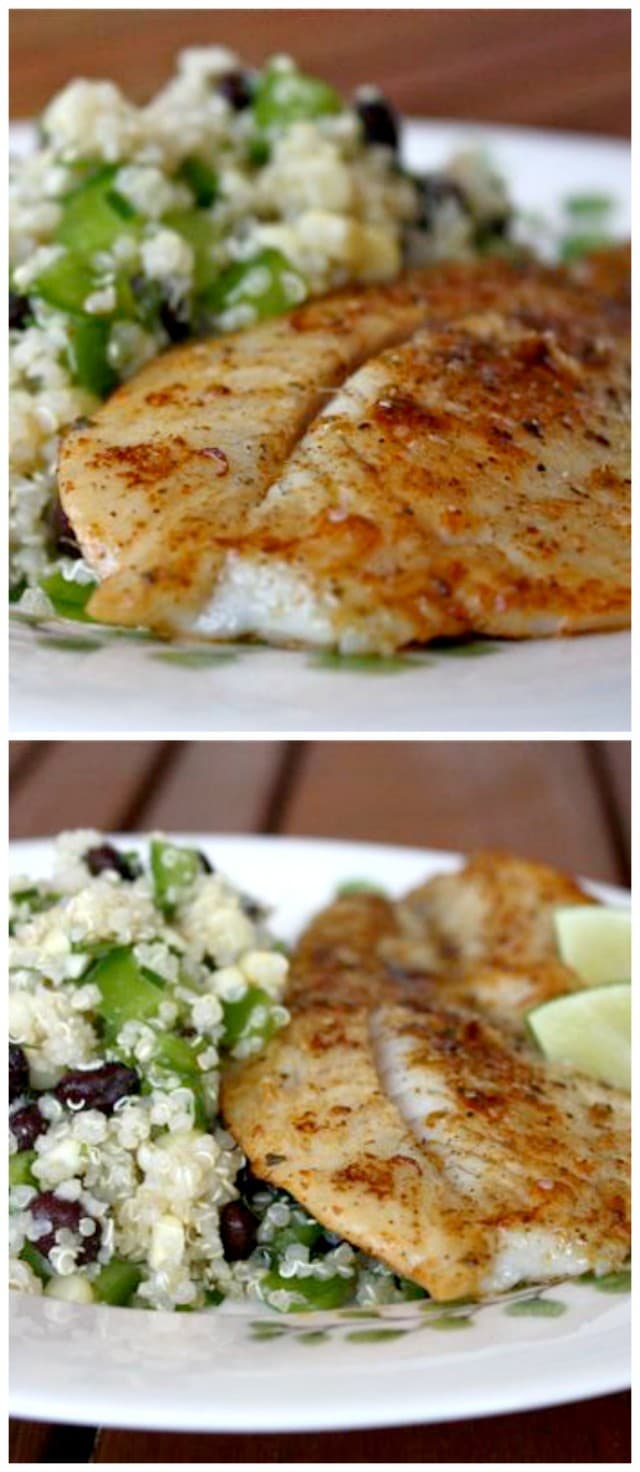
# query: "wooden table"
565,802
553,68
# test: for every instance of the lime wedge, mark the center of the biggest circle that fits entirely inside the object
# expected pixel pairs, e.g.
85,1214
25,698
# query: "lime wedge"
590,1030
595,941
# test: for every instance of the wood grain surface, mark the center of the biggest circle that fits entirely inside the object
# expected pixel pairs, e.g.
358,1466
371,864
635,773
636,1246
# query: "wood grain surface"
566,802
548,68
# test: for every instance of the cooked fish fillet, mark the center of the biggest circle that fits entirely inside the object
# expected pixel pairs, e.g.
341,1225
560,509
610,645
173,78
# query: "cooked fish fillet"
158,484
471,477
486,932
421,1129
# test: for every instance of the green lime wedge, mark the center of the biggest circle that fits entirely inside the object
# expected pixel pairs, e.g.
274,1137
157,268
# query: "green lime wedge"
595,941
590,1030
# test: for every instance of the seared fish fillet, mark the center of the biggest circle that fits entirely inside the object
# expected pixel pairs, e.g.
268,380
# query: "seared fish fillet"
446,456
417,1126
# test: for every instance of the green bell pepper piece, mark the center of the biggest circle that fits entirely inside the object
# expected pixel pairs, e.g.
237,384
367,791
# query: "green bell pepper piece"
318,1293
38,1264
94,215
173,870
201,179
283,98
175,1055
66,283
117,1282
240,1021
235,286
200,232
70,279
128,993
20,1173
88,355
68,599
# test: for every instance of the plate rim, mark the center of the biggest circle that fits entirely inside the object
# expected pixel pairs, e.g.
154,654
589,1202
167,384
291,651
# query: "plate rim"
402,1404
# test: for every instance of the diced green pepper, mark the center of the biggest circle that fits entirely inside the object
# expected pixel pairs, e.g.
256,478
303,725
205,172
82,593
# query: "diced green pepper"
66,283
94,215
240,1019
285,97
70,279
88,355
38,1264
128,992
117,1282
268,283
20,1173
202,234
175,1055
69,599
410,1290
318,1293
306,1232
258,152
201,179
173,870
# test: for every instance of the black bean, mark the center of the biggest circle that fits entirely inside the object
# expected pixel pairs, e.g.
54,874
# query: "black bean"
64,537
235,87
19,310
18,1072
176,325
238,1231
378,121
327,1242
25,1125
435,189
104,856
206,865
251,908
248,1185
97,1088
68,1214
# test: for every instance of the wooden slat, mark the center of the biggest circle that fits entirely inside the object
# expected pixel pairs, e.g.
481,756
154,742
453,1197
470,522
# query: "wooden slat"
28,1441
83,784
598,1431
567,69
538,798
19,751
616,763
216,786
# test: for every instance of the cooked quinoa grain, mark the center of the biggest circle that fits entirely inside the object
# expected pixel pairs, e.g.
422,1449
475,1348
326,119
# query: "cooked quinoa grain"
233,195
130,983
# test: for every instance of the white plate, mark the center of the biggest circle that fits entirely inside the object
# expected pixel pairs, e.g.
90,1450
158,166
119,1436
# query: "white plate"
214,1371
107,683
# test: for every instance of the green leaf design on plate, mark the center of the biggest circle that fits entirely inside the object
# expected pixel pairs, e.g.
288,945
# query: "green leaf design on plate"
361,664
313,1336
449,1321
588,204
69,643
193,659
614,1282
373,1336
537,1308
360,1313
466,649
581,243
268,1331
359,886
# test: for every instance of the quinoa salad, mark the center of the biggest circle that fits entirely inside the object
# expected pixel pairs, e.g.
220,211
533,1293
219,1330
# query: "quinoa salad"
232,196
131,981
